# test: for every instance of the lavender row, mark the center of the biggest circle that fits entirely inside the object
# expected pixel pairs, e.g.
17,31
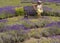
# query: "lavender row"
26,10
53,24
30,8
58,1
42,0
47,11
24,37
9,11
26,25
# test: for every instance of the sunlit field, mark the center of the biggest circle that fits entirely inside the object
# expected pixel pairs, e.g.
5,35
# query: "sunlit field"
16,27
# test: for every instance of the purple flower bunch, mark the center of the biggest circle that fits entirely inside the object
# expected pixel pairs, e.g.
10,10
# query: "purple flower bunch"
9,9
29,10
57,24
3,20
45,8
1,9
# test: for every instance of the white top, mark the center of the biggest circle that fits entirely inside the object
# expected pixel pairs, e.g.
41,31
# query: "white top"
39,7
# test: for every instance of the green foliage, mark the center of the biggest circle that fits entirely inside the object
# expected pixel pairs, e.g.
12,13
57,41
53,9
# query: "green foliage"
19,11
49,40
5,14
36,33
44,32
40,23
28,24
2,16
51,31
13,36
50,13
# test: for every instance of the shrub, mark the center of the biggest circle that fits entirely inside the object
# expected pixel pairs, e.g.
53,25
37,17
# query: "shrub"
36,33
19,11
51,32
13,36
49,40
44,32
2,25
28,24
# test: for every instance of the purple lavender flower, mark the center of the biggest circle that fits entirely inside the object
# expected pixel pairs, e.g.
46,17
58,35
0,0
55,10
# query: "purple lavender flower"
3,20
58,1
29,10
1,9
15,27
56,36
45,8
57,24
51,24
9,9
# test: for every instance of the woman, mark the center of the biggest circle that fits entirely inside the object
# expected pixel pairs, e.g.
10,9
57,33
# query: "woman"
39,8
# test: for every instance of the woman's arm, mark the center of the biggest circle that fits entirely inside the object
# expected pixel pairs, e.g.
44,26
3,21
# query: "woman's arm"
34,6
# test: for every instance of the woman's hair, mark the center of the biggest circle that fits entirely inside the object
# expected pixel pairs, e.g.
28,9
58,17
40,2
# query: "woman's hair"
39,3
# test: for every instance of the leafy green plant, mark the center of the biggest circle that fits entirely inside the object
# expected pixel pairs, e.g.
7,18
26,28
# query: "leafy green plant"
19,11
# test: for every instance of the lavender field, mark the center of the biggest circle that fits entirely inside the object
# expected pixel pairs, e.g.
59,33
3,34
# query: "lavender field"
15,27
